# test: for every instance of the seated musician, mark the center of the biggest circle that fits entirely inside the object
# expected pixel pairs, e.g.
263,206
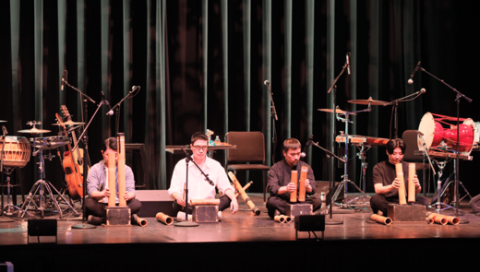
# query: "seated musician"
98,191
279,179
198,187
386,182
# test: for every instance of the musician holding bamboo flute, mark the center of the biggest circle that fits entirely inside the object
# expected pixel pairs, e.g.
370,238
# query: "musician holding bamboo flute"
98,190
279,180
386,182
198,187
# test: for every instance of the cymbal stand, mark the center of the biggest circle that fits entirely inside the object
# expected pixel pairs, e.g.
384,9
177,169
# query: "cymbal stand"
345,181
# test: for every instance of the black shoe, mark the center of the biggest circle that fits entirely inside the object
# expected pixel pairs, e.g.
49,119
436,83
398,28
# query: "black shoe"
95,220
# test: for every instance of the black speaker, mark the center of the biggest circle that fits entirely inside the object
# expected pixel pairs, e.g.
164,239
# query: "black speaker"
42,227
310,223
475,203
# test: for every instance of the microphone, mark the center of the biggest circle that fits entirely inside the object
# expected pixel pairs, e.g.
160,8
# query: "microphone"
348,62
109,109
423,90
64,78
410,81
307,144
136,88
266,82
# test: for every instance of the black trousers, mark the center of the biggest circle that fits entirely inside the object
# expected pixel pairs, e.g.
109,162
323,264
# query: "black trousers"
224,203
380,203
93,207
277,203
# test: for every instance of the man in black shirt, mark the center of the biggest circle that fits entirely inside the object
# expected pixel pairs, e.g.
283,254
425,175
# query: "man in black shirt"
386,182
279,179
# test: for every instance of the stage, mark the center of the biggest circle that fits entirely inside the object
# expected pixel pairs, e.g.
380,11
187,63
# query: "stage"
241,241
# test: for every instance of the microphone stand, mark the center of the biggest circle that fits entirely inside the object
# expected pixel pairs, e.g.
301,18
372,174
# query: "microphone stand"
83,137
329,155
332,166
458,97
395,107
117,106
274,116
188,159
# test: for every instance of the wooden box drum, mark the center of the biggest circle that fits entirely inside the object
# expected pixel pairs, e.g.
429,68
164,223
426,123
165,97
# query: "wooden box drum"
16,152
434,133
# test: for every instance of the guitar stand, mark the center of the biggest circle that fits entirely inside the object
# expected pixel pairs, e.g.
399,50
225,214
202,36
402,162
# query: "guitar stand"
40,187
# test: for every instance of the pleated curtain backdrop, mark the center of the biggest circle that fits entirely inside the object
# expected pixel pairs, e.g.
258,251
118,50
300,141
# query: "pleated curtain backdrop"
203,64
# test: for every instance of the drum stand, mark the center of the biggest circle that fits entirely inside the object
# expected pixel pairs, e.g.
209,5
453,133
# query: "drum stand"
441,165
362,155
9,208
344,183
40,187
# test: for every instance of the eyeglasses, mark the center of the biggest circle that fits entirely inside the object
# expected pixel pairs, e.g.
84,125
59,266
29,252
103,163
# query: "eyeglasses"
204,147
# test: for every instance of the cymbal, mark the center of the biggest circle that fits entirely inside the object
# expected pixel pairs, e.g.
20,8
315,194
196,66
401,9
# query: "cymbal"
69,123
338,111
34,130
366,101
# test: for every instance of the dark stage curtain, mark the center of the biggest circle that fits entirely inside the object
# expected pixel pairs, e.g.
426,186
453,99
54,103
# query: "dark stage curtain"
202,64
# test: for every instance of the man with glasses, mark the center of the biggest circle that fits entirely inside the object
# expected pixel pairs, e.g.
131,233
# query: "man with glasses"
198,187
98,191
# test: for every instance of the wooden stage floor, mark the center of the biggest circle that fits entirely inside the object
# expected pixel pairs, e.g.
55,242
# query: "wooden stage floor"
241,241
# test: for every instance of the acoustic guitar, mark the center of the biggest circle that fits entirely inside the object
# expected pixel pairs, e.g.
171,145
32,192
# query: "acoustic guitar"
73,176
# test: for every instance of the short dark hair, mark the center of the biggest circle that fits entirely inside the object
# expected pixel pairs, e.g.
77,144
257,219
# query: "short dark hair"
198,136
291,143
110,143
394,143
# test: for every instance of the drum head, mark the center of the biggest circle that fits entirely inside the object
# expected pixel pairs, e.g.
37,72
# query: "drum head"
427,127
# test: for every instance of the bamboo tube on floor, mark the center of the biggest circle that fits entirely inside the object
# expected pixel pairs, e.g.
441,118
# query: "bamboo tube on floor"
279,218
165,219
244,188
301,186
244,195
411,185
140,221
111,179
381,219
438,218
401,191
195,202
294,179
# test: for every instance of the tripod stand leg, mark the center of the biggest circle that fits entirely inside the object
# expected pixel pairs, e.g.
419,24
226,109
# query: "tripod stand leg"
29,199
64,199
337,192
47,186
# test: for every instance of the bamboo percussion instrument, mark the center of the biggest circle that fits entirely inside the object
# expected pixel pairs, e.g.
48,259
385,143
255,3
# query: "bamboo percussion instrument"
111,179
429,220
301,187
165,219
279,218
443,219
195,202
294,179
282,218
411,185
401,191
381,219
244,195
140,221
244,188
121,169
